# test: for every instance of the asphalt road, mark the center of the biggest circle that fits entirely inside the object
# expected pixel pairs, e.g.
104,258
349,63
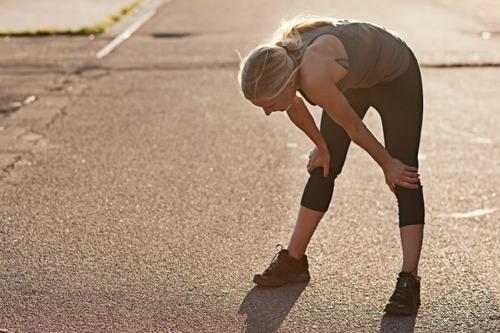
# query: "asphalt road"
145,192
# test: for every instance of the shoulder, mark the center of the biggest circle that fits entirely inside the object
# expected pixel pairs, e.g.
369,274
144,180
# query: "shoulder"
319,59
319,74
316,64
327,43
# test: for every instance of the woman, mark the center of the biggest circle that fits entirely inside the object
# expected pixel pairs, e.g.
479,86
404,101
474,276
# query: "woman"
344,66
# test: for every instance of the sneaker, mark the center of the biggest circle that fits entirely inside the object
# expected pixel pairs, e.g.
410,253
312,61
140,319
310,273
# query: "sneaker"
283,269
406,297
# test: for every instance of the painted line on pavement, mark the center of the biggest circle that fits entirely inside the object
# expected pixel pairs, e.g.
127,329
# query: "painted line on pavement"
127,33
474,213
446,65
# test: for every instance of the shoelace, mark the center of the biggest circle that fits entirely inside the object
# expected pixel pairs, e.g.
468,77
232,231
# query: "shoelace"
402,286
279,250
274,262
402,283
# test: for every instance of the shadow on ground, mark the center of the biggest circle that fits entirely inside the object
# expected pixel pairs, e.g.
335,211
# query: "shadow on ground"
267,308
397,324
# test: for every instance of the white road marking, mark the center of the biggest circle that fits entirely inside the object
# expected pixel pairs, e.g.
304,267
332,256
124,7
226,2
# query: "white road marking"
486,35
474,213
482,140
126,34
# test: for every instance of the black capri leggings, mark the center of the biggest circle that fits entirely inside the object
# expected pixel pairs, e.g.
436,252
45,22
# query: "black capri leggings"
400,105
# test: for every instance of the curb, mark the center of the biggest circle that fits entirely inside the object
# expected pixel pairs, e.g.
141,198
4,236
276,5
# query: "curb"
87,30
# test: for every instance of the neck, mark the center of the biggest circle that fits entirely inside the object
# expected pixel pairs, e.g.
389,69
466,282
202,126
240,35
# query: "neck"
294,82
297,81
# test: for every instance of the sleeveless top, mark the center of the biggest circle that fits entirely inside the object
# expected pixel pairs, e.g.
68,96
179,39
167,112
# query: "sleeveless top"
375,55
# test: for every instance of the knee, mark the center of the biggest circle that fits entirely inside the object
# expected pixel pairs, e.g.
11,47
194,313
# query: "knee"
404,193
334,171
318,191
411,205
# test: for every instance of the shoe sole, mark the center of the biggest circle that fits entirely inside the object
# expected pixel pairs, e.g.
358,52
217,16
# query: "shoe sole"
400,311
304,277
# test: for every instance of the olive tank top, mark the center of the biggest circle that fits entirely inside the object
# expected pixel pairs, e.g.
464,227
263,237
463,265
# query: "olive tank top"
375,55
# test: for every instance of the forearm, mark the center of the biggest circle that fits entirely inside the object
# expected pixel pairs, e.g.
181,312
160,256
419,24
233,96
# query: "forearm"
364,138
344,115
300,116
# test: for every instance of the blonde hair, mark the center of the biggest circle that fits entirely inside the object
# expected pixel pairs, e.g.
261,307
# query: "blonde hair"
268,68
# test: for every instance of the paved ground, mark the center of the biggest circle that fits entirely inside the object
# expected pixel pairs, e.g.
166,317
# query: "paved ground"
143,192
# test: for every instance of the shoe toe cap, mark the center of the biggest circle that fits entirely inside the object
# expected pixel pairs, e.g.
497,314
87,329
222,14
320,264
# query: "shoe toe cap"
259,279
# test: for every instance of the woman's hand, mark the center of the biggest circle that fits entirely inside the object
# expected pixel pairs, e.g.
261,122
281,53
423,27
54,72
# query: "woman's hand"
398,173
319,157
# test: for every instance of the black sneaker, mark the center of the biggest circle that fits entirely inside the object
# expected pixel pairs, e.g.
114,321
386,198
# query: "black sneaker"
283,269
406,297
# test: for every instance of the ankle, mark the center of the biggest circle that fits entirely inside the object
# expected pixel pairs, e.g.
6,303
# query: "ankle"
412,272
294,255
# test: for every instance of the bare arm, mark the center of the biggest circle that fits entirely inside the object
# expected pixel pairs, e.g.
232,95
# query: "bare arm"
339,109
300,116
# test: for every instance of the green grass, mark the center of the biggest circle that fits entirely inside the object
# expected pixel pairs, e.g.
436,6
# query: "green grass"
87,30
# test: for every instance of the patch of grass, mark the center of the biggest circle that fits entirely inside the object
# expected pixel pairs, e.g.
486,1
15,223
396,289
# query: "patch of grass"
87,30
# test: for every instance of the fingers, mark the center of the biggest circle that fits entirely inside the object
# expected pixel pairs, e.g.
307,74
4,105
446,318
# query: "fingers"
314,163
409,185
410,168
410,174
319,159
326,169
410,180
405,176
311,165
326,166
412,177
392,187
407,182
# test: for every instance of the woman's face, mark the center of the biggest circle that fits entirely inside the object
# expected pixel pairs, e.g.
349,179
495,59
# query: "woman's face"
278,103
